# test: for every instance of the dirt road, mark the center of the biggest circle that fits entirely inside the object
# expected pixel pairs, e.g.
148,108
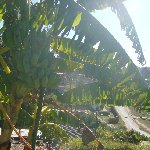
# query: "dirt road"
129,120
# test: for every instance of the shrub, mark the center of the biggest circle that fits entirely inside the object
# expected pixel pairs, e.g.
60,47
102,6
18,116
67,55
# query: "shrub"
120,135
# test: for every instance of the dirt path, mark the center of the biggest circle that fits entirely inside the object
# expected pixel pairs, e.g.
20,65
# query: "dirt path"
130,122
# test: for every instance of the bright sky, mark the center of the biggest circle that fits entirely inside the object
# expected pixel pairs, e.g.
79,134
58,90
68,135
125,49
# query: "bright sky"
139,12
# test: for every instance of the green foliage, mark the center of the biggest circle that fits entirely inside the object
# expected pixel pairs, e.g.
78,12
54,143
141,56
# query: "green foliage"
75,144
4,98
88,118
57,116
51,130
118,139
25,119
33,35
26,114
31,30
77,20
121,135
125,20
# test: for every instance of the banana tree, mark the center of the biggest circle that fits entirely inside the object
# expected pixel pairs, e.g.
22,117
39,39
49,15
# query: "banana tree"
34,50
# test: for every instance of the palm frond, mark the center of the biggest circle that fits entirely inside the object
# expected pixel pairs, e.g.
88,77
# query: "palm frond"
128,26
125,20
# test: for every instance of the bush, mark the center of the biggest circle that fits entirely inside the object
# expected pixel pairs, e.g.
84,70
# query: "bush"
88,118
76,144
120,135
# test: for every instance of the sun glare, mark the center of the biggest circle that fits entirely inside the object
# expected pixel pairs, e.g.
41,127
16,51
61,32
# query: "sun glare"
134,7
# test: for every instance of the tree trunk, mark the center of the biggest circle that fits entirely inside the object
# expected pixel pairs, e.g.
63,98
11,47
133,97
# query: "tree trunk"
31,128
37,119
12,110
5,139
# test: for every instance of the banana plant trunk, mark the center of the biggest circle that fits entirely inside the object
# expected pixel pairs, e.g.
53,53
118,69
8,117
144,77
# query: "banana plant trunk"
12,110
38,116
5,139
